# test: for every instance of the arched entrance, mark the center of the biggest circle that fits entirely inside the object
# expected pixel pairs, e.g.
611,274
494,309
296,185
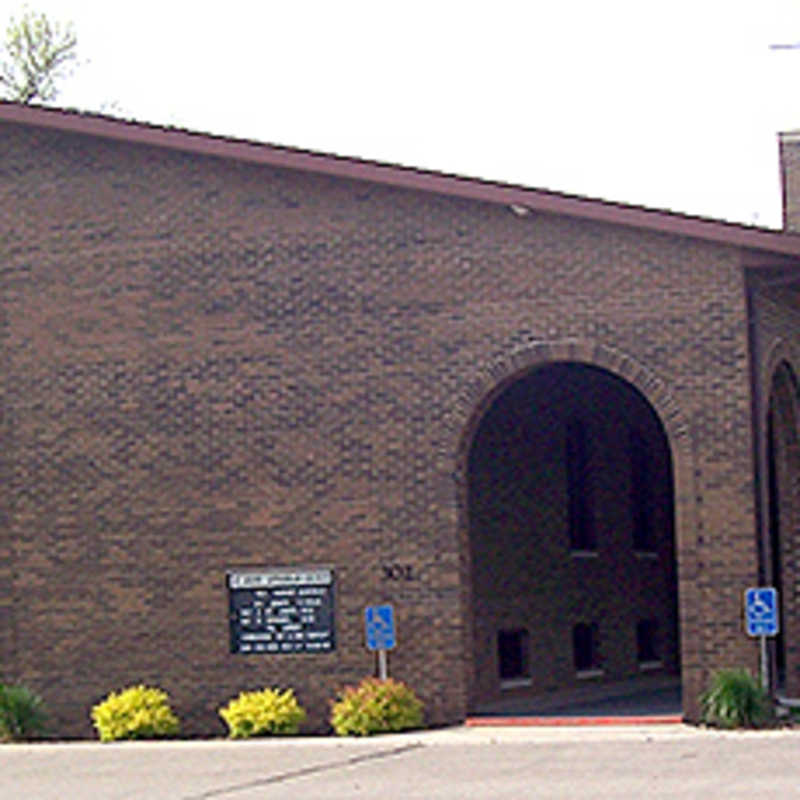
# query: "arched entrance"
783,465
570,507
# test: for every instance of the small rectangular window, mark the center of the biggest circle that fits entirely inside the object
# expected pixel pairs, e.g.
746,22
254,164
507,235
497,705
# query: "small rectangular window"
512,654
646,641
579,508
641,492
585,649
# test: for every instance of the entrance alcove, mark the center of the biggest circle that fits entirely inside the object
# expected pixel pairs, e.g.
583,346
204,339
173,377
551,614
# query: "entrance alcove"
571,534
783,464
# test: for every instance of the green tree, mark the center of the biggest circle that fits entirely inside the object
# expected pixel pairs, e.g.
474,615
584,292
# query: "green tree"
37,53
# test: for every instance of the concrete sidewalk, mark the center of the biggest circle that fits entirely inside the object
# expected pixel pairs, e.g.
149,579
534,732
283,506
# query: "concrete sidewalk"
449,764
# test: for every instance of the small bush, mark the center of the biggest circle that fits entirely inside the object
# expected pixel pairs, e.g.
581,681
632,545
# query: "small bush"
263,713
22,714
376,706
138,712
735,700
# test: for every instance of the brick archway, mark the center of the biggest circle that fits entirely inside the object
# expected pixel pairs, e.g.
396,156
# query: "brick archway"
495,377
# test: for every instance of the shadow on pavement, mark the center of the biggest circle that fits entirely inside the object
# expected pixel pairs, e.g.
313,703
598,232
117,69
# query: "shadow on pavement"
635,698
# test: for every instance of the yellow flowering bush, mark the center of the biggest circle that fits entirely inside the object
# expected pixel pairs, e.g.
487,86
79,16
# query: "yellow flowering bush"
263,713
376,706
138,712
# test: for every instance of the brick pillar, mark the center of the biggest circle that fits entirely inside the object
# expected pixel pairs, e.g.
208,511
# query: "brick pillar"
790,179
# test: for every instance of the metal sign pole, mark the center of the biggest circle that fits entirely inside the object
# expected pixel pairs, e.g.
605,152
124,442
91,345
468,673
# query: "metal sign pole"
764,664
383,670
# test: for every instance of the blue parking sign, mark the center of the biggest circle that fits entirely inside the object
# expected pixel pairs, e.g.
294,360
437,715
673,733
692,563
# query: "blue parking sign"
379,627
761,611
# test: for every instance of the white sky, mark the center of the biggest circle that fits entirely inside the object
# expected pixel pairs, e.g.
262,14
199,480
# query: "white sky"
671,105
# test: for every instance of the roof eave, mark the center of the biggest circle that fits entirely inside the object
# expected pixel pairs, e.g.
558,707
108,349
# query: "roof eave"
543,201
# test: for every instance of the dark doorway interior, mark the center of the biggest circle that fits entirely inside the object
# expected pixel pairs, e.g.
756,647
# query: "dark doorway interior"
783,474
776,570
571,519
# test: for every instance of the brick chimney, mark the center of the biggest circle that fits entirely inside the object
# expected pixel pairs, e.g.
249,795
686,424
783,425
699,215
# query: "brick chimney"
790,179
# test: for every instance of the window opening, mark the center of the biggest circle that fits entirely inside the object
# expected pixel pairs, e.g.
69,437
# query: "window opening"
646,643
581,524
585,650
641,492
512,654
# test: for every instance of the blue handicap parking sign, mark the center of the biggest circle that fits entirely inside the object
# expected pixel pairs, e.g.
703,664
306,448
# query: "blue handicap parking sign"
761,611
380,627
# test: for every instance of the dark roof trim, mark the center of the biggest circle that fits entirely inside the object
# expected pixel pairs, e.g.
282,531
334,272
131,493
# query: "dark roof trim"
403,177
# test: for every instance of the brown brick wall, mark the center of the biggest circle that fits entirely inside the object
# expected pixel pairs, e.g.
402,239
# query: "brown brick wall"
211,364
778,345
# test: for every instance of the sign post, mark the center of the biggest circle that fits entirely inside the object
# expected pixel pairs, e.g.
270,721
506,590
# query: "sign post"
379,624
761,619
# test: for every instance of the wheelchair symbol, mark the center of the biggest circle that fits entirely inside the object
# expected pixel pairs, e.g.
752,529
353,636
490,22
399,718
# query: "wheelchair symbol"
760,608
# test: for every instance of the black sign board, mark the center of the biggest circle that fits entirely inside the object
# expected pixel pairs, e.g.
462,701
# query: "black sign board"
282,610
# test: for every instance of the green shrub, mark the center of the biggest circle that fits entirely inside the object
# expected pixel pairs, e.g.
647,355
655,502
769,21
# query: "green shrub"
138,712
263,713
735,700
22,714
376,706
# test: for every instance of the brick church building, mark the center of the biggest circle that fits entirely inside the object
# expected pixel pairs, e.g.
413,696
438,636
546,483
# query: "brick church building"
248,391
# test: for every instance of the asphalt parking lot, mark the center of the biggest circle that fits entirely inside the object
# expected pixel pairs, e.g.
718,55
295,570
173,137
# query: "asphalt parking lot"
664,761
